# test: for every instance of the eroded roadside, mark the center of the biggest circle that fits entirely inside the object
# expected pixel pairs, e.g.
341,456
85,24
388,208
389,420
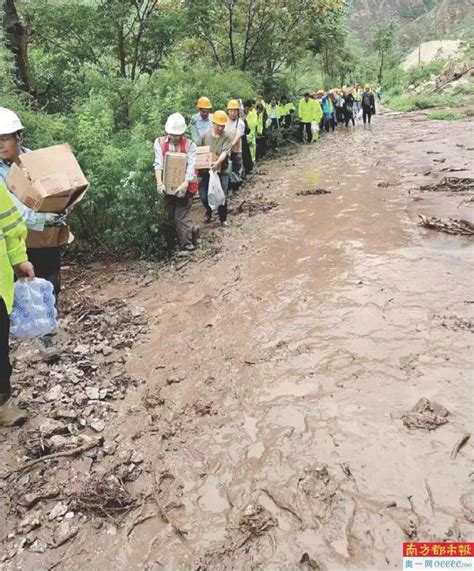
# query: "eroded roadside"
253,413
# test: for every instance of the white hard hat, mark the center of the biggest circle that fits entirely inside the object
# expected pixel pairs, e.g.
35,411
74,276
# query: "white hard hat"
9,122
175,124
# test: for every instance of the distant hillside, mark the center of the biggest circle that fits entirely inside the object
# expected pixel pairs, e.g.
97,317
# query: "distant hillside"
418,20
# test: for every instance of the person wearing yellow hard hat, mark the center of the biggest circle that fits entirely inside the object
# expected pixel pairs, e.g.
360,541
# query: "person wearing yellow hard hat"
357,94
249,141
201,121
220,145
368,104
236,129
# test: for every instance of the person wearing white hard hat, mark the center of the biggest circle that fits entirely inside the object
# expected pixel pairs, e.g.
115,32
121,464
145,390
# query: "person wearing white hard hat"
178,204
45,258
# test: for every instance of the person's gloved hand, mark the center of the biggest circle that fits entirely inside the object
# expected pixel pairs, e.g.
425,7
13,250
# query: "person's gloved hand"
55,219
161,189
182,189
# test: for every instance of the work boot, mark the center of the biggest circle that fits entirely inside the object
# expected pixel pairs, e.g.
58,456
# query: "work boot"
11,415
208,218
4,397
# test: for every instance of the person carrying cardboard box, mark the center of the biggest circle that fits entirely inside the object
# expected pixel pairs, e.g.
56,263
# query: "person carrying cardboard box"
44,254
182,159
220,144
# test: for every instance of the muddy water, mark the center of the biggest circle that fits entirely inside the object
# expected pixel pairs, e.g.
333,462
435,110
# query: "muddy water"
298,348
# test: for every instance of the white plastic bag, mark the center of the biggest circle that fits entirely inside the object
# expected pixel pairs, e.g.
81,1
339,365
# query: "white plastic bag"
34,313
215,194
314,127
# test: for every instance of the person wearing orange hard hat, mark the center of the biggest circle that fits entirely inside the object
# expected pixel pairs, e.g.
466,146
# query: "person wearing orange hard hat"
220,146
201,121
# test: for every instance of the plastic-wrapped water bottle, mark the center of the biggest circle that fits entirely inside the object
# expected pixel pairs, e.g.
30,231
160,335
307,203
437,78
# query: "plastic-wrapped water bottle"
34,313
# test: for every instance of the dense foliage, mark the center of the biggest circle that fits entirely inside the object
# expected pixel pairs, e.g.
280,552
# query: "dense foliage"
103,75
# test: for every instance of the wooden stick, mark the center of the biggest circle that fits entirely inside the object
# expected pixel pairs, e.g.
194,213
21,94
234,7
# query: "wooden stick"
70,452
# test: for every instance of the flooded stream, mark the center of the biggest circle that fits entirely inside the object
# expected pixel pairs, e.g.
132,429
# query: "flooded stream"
296,351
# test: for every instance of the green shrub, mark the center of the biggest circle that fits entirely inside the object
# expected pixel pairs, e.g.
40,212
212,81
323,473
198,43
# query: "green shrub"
421,73
444,115
414,101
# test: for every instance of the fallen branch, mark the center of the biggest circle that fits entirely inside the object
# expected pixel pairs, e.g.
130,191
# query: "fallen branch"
455,77
459,444
458,227
71,452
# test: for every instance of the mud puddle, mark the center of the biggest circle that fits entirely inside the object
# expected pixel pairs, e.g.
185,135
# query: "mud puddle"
269,431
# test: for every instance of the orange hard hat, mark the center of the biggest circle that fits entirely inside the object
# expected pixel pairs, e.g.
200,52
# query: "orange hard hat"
204,103
220,118
233,104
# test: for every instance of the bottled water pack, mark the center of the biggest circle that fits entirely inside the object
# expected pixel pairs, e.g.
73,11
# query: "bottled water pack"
34,313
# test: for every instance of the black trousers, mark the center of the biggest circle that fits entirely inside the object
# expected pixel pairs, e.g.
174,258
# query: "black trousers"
5,366
47,264
261,146
305,127
349,116
366,114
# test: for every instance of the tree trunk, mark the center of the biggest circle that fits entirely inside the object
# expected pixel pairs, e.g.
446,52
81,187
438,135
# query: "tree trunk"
16,40
381,67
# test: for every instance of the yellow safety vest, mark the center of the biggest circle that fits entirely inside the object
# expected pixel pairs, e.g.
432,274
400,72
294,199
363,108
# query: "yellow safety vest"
12,245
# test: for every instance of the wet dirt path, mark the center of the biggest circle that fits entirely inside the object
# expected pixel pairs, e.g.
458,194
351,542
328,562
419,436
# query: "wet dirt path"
278,370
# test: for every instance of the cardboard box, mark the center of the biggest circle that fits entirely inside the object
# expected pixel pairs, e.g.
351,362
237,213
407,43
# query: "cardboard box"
174,172
203,158
50,237
48,180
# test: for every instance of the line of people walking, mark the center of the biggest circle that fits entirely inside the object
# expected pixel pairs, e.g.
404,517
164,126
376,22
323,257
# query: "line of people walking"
238,137
322,111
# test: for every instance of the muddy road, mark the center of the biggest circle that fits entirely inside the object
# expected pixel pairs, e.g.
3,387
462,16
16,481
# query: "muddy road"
266,422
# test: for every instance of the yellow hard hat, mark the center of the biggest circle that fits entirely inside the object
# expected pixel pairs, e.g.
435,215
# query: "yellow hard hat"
204,103
367,86
233,104
220,118
320,92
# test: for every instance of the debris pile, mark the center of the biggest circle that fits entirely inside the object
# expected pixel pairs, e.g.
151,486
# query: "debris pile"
450,184
255,205
426,415
386,184
313,192
104,496
450,226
